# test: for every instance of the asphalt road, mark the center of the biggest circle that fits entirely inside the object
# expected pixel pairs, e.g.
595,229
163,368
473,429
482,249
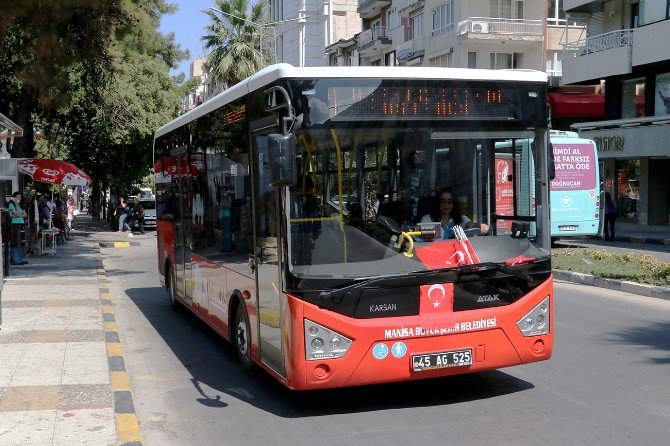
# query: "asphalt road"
607,384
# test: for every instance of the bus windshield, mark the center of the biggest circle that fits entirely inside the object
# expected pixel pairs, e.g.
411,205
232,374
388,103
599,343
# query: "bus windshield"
358,188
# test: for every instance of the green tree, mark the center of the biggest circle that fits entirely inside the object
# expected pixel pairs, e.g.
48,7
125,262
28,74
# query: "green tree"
233,37
39,42
137,98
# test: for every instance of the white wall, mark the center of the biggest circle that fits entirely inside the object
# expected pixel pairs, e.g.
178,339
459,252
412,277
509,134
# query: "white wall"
304,42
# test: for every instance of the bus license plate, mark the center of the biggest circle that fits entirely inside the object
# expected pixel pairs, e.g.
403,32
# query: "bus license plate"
567,228
441,360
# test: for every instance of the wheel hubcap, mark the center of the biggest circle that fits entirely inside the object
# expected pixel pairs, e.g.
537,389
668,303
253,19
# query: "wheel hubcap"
242,337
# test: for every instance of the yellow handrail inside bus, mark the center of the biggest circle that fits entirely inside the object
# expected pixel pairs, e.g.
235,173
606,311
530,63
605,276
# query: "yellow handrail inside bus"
339,188
407,236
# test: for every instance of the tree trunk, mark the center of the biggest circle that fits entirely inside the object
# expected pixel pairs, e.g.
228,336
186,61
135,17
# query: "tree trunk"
24,147
95,201
103,203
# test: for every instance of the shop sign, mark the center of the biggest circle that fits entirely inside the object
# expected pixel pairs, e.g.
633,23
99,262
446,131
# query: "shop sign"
612,143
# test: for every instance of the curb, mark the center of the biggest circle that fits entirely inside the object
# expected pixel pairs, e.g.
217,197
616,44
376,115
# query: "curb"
657,292
127,424
643,240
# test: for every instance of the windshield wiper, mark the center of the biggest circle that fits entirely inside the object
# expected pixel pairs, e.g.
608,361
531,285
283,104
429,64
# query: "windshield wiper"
422,277
503,269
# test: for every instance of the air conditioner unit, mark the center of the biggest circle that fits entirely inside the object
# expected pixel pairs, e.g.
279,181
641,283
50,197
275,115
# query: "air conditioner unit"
481,27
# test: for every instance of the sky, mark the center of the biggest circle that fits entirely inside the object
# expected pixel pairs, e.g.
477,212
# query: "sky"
187,24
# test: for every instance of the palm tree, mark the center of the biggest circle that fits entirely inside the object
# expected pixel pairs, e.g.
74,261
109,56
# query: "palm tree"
233,36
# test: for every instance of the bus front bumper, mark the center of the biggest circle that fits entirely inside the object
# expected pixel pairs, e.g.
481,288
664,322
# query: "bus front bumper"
390,349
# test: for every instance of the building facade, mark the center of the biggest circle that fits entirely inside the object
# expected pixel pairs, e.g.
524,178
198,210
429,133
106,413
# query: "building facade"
626,47
453,33
196,97
302,29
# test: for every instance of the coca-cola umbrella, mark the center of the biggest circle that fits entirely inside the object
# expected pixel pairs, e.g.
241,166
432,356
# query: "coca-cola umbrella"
54,172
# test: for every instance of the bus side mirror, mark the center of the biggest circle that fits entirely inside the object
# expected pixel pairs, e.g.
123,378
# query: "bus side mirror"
551,165
282,160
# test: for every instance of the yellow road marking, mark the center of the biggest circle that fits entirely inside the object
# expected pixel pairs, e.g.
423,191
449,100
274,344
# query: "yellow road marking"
108,309
119,380
122,244
110,326
128,427
114,349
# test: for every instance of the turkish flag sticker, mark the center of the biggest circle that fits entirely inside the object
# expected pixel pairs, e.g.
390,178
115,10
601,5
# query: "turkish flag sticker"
437,298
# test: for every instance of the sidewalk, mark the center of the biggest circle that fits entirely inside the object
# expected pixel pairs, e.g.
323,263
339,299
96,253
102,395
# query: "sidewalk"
651,237
60,380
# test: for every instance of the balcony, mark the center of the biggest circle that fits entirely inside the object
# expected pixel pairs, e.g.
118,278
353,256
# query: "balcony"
373,42
596,57
583,5
371,8
486,28
650,44
407,6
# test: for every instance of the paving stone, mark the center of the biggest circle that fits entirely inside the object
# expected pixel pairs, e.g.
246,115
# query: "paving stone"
27,427
13,337
85,427
23,398
84,396
48,336
85,336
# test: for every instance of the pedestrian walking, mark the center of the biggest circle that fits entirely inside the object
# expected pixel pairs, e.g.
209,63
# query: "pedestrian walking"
122,213
610,217
71,207
18,215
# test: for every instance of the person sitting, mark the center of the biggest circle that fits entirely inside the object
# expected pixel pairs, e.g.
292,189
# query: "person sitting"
448,213
138,216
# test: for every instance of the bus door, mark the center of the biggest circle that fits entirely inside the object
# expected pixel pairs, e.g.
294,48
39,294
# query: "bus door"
183,232
266,258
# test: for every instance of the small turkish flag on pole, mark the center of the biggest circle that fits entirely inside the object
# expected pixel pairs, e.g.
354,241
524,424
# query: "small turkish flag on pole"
436,299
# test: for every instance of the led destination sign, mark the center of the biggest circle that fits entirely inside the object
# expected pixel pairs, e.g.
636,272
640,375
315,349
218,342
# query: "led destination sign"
363,103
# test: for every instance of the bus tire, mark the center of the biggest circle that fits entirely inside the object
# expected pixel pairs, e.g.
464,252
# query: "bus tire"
242,340
170,288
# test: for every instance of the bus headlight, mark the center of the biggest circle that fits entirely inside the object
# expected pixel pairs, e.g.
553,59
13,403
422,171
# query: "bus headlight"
536,321
324,343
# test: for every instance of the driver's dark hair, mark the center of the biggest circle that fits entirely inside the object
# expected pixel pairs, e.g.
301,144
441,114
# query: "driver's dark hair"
435,213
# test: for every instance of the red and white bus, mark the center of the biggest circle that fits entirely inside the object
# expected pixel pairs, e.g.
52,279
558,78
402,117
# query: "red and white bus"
299,216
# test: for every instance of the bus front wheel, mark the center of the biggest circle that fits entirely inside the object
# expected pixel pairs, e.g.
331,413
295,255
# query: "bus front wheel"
242,340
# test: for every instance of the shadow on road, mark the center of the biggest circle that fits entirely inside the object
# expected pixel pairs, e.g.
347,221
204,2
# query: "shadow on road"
654,336
212,362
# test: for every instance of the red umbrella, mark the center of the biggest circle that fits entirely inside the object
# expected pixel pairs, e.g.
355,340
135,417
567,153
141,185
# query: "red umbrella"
54,172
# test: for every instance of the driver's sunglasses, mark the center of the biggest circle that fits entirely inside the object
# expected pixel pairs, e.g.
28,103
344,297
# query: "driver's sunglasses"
447,201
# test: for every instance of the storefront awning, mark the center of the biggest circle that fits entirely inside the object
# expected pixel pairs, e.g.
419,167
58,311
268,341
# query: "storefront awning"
577,105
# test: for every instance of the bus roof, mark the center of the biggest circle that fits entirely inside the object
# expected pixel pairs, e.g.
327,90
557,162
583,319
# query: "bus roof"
273,73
